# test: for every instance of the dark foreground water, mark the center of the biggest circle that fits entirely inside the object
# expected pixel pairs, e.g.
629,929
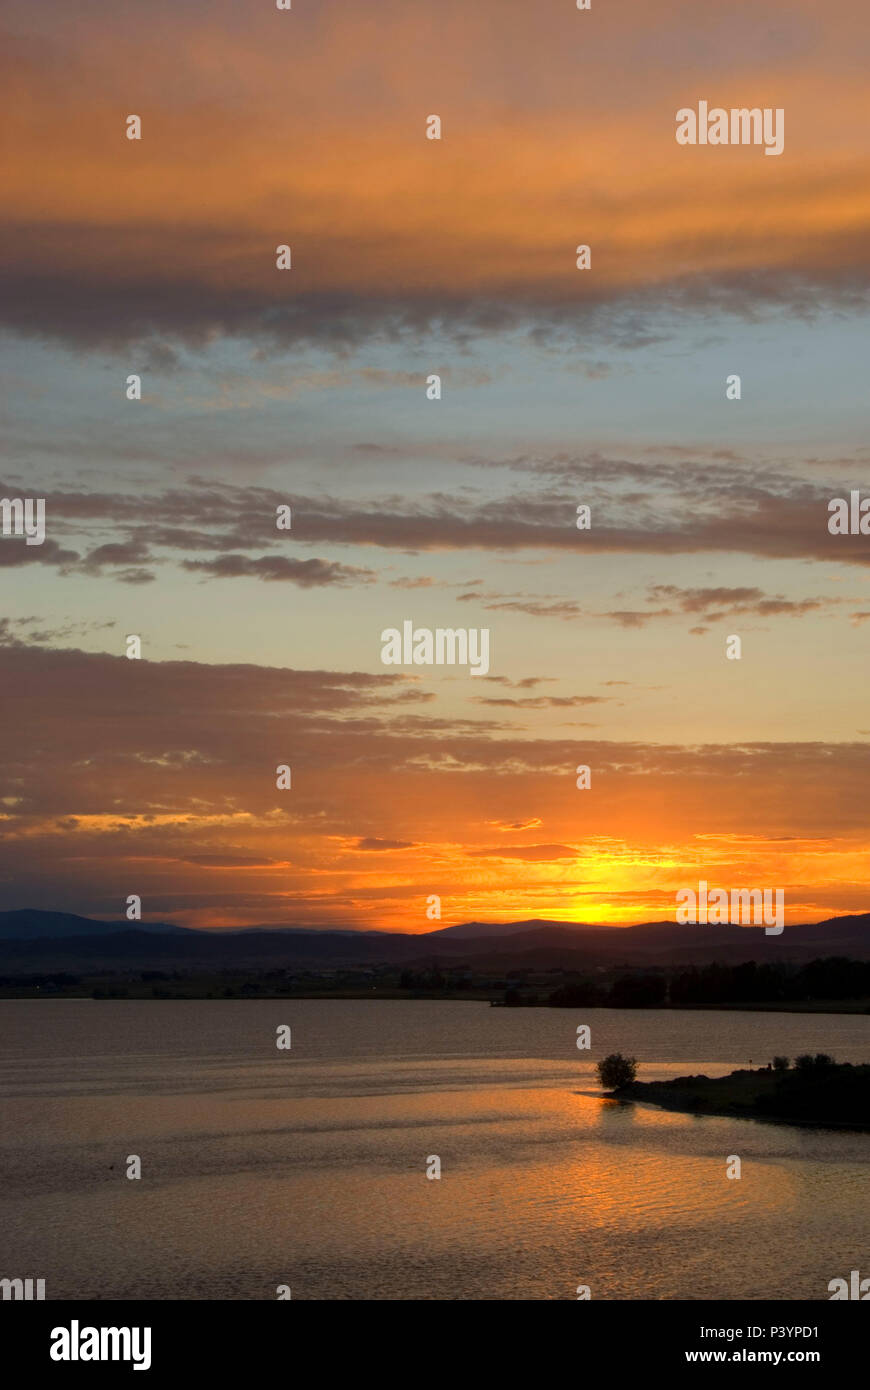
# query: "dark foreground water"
308,1167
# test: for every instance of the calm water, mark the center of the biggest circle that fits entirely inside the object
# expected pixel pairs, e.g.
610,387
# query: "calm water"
307,1167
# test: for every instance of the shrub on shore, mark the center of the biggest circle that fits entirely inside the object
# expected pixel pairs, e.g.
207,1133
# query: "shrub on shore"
615,1071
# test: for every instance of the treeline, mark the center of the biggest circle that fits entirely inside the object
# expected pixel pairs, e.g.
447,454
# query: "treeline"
834,977
625,992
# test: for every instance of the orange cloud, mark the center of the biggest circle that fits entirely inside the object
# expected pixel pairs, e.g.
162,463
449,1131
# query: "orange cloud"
168,791
314,135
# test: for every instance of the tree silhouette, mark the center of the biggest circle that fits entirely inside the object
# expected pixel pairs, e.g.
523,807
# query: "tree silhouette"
615,1070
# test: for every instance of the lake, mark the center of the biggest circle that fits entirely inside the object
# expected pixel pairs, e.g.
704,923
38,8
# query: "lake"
307,1167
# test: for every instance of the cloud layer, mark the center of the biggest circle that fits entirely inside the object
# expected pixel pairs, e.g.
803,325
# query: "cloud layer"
308,129
155,777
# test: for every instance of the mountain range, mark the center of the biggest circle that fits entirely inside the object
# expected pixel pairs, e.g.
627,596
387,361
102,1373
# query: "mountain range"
32,938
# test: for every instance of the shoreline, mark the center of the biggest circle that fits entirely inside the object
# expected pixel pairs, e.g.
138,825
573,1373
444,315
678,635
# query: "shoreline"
495,998
832,1096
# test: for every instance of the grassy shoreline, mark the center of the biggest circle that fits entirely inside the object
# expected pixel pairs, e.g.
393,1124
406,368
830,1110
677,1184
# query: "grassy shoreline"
836,1096
219,987
214,987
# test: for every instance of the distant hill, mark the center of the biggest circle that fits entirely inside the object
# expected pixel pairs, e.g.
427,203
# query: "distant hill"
555,945
30,924
479,931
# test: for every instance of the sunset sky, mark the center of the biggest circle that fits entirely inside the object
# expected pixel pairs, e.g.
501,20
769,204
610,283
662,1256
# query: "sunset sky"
308,387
